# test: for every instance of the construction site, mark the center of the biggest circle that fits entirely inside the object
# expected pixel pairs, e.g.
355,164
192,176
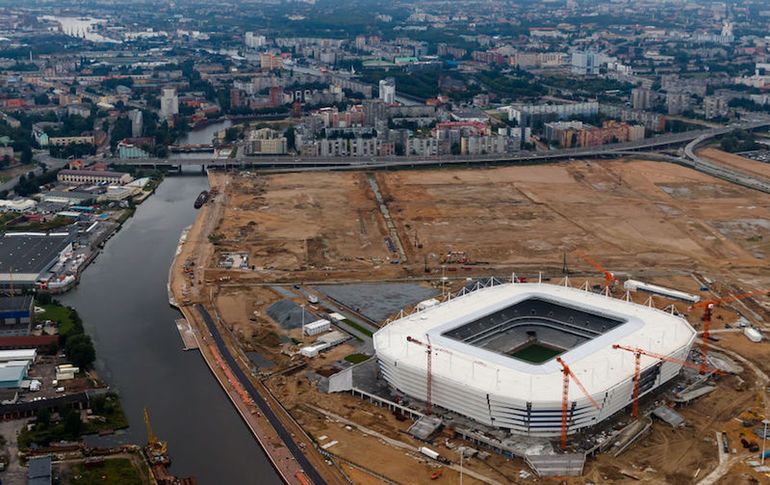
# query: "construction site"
298,274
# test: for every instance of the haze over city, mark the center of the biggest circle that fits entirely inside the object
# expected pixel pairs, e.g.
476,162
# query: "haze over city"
362,242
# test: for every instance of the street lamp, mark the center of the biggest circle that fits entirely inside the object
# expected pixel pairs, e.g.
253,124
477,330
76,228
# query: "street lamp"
302,307
764,439
462,454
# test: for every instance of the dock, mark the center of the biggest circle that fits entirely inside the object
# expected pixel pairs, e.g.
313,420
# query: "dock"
186,332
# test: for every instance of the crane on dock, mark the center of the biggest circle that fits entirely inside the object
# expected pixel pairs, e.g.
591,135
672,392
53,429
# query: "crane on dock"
639,352
568,374
157,449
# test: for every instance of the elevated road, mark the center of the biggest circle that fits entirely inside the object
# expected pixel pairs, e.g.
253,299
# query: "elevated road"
724,172
658,142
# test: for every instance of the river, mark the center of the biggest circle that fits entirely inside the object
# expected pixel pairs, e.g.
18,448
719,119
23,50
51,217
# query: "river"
81,27
205,135
123,301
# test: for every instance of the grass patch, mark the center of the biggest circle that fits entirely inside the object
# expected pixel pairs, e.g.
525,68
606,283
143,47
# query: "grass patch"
7,219
61,314
536,354
109,412
358,327
45,431
357,358
126,214
118,471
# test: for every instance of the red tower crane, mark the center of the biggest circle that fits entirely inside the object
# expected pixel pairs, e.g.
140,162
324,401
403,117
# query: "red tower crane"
429,380
609,278
568,374
638,353
708,306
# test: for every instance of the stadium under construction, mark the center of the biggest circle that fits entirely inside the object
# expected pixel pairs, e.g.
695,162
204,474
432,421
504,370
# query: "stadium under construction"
501,356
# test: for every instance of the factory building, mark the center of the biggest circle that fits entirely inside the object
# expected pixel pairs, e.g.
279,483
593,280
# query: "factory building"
26,256
16,315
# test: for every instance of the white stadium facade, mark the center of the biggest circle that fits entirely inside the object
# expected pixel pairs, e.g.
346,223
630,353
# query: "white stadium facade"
494,355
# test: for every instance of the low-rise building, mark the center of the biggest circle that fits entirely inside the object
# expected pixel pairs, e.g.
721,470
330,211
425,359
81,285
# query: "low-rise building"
70,140
266,142
17,205
16,316
319,326
78,177
127,151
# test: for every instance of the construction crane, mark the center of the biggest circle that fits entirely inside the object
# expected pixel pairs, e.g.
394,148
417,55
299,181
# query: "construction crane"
708,306
429,380
568,374
638,353
156,448
609,278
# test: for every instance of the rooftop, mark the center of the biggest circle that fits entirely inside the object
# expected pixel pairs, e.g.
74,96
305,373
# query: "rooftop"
94,173
29,252
15,303
478,339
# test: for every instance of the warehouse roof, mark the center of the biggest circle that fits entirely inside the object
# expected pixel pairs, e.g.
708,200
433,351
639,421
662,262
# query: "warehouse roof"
92,173
30,252
15,303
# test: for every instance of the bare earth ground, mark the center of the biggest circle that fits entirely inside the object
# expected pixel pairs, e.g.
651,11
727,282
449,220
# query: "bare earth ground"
649,220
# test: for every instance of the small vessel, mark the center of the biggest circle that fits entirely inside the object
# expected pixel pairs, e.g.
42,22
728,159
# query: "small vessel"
202,198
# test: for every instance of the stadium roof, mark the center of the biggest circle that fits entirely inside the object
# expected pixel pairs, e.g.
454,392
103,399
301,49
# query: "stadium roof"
25,253
594,361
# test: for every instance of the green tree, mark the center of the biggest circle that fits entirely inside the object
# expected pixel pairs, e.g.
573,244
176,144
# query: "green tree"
291,138
80,351
73,426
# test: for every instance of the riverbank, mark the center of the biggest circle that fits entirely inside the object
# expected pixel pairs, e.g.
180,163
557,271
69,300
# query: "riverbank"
277,434
124,305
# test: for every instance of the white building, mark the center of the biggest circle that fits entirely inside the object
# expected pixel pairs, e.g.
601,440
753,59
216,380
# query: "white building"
254,41
589,62
494,355
319,326
169,103
423,147
137,123
388,90
527,114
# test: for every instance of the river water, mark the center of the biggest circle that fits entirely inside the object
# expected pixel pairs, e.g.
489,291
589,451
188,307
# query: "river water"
204,135
123,301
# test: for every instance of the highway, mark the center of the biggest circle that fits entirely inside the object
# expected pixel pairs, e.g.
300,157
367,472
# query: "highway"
728,174
285,436
337,163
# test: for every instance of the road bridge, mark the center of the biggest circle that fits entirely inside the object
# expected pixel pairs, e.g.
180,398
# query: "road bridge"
286,161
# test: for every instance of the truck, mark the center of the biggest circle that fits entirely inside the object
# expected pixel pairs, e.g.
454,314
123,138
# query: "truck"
312,299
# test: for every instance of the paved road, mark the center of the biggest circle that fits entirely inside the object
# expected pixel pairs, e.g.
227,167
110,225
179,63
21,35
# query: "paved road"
393,161
308,468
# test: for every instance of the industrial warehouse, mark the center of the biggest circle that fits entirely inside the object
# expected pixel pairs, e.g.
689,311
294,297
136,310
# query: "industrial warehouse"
26,256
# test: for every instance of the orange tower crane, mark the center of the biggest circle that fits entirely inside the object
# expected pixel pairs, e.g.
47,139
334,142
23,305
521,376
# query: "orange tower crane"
568,374
708,306
609,278
638,353
429,380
